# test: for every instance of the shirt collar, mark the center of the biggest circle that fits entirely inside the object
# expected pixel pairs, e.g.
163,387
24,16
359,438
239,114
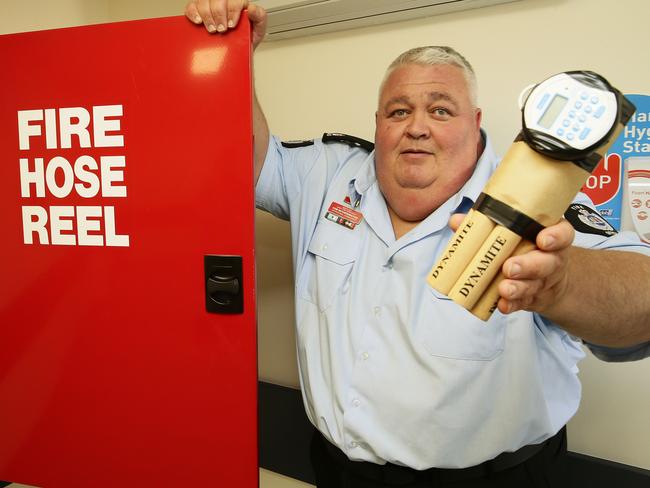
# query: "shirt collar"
365,176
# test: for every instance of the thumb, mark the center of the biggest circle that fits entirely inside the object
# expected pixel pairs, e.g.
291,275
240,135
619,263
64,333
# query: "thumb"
258,18
455,221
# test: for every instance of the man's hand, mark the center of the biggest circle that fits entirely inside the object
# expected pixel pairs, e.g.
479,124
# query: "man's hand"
598,295
536,280
221,15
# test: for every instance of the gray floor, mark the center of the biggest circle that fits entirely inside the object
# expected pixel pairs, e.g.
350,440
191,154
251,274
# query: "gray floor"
268,479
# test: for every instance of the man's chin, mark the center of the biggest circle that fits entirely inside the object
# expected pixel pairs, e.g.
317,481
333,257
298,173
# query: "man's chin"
415,183
415,204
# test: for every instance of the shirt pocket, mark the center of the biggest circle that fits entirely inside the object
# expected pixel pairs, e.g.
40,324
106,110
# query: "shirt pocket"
330,259
448,330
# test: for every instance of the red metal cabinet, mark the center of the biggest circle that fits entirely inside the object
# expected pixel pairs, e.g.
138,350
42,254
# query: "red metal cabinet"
126,157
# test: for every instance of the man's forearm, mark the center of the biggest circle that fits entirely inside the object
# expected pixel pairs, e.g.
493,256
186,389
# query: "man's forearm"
606,300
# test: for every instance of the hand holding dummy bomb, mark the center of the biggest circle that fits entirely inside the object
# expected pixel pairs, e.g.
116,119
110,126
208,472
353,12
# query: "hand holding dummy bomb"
569,121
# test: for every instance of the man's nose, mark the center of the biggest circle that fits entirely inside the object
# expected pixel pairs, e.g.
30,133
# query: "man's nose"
418,128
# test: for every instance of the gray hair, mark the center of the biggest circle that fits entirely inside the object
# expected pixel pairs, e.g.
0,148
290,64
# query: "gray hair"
435,55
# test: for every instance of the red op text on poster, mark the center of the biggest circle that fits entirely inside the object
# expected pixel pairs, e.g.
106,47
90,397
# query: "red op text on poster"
604,182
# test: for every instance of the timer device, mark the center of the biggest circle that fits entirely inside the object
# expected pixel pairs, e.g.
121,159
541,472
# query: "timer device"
568,122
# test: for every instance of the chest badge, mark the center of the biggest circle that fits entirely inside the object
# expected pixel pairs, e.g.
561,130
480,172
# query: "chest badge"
342,215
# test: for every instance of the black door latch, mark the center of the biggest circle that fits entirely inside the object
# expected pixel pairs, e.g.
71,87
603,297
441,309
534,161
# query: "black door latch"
223,284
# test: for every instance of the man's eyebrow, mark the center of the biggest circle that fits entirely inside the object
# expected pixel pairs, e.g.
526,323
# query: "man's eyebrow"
436,96
433,96
401,99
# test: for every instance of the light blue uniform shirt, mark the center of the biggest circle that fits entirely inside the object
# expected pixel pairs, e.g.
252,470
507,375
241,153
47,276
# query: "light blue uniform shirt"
390,370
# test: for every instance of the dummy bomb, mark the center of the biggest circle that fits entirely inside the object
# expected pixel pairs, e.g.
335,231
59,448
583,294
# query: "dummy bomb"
568,123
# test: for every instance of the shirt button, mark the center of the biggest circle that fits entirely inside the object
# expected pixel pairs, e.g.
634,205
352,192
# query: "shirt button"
377,311
365,356
353,444
324,248
356,402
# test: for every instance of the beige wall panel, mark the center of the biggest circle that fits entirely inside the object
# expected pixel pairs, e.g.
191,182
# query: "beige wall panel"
32,15
269,479
144,9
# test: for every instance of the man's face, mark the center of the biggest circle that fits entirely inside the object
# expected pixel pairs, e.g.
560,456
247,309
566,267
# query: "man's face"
426,138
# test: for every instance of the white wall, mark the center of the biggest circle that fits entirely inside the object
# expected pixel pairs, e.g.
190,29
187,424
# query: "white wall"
23,16
143,9
329,82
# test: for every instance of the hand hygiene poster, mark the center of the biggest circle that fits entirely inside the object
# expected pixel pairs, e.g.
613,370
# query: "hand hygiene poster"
620,185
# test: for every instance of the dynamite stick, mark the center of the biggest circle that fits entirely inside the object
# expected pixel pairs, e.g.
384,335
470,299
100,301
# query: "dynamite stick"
569,122
487,303
484,266
474,229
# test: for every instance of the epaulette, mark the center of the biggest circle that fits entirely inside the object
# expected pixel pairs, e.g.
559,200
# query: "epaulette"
292,144
330,137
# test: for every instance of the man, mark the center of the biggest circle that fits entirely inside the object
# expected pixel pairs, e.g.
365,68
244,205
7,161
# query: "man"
406,387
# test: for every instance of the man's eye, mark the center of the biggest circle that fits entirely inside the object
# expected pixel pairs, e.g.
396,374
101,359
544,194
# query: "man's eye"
400,112
441,112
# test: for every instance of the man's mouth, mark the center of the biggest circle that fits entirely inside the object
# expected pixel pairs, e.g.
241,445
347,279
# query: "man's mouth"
416,151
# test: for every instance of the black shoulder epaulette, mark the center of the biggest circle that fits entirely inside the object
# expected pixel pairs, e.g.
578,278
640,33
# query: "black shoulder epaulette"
330,137
291,144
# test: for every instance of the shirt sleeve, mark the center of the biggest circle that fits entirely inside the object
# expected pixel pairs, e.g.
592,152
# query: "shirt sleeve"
296,175
622,354
621,241
283,174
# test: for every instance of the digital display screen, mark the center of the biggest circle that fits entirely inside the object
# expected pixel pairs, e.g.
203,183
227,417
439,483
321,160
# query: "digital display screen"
552,111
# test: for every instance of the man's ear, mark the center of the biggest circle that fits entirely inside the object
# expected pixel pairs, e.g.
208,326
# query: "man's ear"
479,146
479,117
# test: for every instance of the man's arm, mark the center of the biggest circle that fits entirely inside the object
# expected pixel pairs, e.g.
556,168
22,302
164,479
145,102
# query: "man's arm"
600,296
220,16
261,137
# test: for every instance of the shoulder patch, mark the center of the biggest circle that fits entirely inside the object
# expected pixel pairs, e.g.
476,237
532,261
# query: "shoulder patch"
292,144
588,221
330,137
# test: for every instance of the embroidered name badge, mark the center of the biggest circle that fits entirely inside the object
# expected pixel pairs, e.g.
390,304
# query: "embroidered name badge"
343,215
